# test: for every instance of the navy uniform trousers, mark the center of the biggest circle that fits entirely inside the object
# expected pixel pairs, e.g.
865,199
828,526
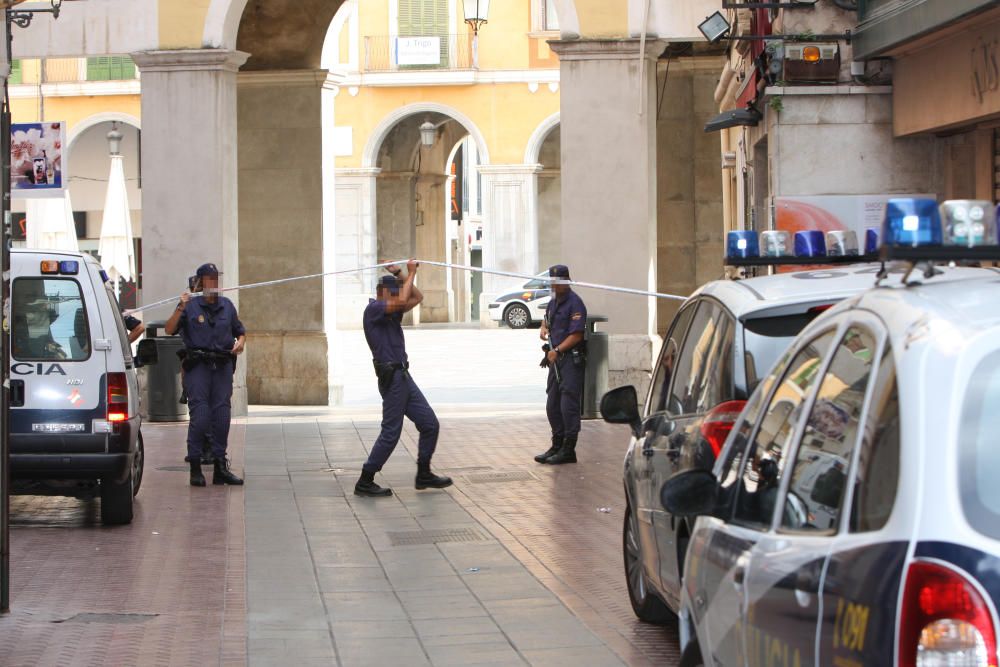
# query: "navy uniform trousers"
209,391
563,402
403,399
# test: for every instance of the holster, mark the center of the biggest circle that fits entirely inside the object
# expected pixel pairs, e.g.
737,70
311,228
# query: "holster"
193,357
385,372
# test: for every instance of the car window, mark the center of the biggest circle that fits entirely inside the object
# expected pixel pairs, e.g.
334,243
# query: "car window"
980,456
878,461
536,284
715,385
765,338
823,459
690,389
668,356
49,320
758,491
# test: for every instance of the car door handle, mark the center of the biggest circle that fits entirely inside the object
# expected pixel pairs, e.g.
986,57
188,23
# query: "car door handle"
739,576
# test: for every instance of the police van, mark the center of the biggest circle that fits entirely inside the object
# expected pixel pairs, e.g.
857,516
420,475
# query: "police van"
74,417
853,515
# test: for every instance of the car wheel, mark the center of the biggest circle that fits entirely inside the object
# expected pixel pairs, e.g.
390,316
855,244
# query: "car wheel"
517,316
116,501
138,463
645,604
692,656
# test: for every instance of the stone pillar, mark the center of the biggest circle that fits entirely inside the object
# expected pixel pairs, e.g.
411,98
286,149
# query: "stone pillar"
608,126
510,226
357,243
189,167
287,229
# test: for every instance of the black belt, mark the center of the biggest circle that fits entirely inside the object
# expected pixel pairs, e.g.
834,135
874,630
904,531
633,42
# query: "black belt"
195,356
385,371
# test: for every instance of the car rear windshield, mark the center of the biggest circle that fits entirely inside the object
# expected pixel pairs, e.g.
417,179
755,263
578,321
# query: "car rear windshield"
766,338
50,322
979,454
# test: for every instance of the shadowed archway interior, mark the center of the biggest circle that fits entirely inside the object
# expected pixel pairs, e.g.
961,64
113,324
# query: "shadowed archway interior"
285,34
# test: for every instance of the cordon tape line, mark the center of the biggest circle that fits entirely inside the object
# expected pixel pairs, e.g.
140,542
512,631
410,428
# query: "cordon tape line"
446,265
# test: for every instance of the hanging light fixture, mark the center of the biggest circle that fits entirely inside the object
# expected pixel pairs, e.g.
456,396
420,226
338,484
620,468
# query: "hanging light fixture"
115,139
476,13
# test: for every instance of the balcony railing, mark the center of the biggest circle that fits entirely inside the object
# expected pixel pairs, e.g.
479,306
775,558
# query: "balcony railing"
393,53
73,70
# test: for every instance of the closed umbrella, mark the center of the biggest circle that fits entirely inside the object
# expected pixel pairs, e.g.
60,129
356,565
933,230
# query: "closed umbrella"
115,247
50,224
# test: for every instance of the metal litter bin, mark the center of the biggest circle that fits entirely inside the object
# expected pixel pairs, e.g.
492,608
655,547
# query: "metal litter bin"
162,391
595,378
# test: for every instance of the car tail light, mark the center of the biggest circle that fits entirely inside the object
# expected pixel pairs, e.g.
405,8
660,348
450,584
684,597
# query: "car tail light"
117,397
945,621
719,422
815,310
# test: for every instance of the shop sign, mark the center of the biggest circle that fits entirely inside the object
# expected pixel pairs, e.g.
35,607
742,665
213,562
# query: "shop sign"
418,50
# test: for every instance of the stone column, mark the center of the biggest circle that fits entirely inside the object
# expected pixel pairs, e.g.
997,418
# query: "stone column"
608,133
510,226
189,174
287,229
356,242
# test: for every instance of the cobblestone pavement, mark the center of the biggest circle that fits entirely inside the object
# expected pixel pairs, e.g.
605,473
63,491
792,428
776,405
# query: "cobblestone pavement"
517,563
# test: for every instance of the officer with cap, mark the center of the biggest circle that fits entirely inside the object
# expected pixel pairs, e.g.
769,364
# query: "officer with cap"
564,324
400,395
213,337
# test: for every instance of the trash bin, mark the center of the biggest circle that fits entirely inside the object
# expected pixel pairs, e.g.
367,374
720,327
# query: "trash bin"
595,379
162,390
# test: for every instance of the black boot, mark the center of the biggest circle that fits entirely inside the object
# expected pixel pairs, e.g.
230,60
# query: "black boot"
197,479
223,475
428,480
366,486
557,442
567,454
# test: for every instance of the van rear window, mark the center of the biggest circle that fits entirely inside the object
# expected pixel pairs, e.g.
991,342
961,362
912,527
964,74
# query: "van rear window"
979,455
766,338
49,320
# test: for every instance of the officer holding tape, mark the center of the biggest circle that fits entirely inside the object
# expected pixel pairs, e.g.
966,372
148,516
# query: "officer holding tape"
564,324
400,395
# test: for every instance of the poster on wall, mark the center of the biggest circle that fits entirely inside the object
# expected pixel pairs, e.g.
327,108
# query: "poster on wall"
828,213
37,167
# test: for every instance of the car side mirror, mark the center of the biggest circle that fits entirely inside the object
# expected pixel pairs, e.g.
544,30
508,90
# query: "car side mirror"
690,493
621,406
147,353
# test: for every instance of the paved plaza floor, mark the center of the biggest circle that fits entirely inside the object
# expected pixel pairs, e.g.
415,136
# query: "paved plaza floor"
516,564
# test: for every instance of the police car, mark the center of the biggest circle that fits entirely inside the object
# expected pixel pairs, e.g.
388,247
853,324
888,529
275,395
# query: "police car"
74,417
523,307
853,516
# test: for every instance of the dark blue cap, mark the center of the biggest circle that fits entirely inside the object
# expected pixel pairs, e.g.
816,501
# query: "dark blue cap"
389,282
559,271
207,270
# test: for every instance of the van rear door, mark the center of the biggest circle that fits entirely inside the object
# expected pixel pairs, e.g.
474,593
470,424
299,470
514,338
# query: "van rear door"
57,373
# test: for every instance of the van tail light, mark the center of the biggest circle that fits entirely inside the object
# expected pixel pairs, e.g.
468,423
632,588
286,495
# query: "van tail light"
719,422
944,621
117,397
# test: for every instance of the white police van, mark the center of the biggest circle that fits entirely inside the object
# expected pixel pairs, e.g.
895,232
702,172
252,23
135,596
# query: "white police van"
853,515
523,307
74,418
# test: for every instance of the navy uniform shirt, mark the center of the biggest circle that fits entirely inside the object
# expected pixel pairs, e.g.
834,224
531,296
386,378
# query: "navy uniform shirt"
210,326
566,317
384,333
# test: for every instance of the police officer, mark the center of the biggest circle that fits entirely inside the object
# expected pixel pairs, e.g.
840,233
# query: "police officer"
400,395
213,336
564,324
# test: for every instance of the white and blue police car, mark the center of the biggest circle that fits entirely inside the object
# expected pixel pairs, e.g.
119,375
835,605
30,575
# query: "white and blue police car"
523,307
74,401
853,515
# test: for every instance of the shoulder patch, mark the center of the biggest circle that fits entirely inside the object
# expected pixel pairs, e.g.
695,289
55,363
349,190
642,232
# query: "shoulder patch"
577,316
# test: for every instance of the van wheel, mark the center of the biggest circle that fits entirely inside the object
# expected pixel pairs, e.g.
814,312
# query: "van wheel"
138,463
517,316
645,604
116,501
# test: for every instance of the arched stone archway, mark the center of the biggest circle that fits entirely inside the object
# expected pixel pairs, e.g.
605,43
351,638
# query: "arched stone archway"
544,148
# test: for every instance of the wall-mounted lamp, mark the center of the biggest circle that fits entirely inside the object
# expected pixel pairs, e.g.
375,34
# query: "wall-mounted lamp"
716,27
428,132
476,13
115,139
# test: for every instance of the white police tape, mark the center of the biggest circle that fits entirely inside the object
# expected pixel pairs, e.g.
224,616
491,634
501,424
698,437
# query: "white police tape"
447,265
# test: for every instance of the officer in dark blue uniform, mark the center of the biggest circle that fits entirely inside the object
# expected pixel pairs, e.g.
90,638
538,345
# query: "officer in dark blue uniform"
213,336
400,395
564,324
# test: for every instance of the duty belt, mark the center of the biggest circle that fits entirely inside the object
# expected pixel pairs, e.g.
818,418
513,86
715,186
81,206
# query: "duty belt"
385,371
195,356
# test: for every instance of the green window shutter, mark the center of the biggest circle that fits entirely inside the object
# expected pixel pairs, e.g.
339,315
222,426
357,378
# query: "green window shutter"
110,68
425,18
98,68
16,73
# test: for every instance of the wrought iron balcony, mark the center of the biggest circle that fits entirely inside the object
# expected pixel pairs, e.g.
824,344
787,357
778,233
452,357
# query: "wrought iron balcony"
398,53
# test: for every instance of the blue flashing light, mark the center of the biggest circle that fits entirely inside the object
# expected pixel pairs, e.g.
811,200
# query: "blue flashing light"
69,267
871,241
810,243
104,275
742,244
912,223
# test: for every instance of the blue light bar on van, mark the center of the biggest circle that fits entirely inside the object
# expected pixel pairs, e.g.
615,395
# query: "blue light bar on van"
69,267
104,275
841,243
742,244
775,243
911,223
871,241
810,243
